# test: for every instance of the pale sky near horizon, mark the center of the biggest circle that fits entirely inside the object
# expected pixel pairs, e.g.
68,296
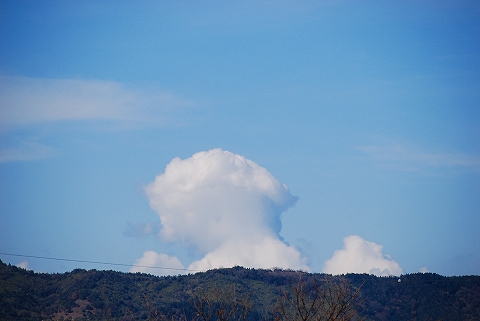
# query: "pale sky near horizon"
330,136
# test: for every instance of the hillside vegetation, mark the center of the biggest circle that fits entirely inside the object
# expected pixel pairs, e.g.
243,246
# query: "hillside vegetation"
259,294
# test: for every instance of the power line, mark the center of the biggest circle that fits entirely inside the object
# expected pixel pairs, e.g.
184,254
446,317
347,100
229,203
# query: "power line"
97,262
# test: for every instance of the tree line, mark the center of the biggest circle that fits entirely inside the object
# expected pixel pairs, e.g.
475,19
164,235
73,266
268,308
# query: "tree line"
235,294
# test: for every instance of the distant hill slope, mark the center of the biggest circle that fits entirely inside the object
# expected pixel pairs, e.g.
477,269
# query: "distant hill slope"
98,295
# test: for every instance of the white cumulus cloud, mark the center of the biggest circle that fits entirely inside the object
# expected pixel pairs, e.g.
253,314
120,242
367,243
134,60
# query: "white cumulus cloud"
227,207
158,264
361,256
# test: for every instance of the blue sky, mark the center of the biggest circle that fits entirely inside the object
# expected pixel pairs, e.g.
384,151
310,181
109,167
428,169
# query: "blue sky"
368,111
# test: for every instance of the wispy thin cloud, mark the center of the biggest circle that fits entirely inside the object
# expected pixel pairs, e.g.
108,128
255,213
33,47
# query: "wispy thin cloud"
26,151
141,230
407,157
27,101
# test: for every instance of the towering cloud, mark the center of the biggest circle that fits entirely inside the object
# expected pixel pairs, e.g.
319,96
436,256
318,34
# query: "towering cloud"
361,256
227,207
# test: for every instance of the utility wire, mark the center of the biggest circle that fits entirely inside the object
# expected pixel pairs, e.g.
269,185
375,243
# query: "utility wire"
97,262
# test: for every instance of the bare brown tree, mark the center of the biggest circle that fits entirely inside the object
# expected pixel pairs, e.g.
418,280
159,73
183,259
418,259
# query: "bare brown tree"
221,303
333,299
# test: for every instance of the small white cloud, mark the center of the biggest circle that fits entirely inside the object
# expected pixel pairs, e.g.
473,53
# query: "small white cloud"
424,269
23,265
227,207
361,256
158,264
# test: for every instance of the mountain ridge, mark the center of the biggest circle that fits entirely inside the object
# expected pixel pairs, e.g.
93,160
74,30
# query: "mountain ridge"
111,295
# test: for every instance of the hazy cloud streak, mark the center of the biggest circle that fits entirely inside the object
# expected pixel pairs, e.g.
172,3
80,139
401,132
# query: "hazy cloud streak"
411,157
139,230
27,101
26,151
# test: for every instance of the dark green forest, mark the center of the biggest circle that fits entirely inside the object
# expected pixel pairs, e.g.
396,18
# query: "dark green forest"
234,294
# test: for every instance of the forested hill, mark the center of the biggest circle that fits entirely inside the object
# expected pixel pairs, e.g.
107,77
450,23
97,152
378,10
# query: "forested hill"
110,295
